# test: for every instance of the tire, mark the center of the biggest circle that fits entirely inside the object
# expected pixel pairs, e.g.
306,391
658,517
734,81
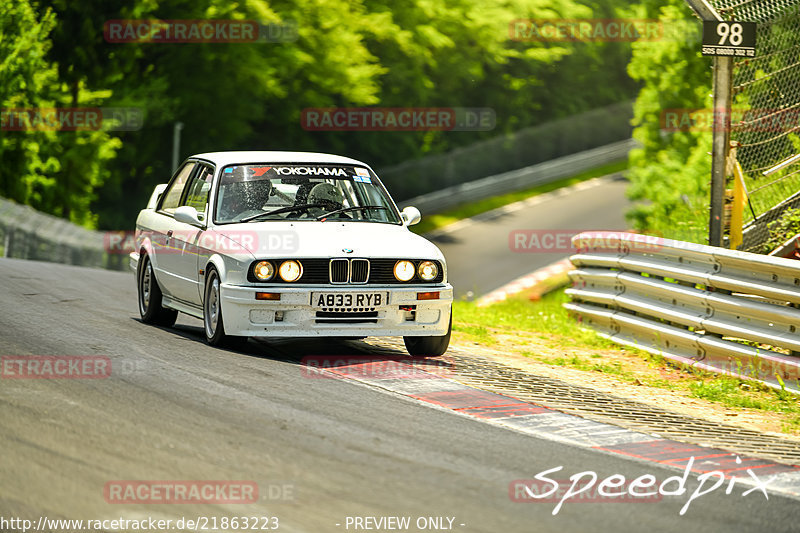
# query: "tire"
213,325
150,297
429,346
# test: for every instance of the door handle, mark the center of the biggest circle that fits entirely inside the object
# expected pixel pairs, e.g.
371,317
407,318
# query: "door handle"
169,236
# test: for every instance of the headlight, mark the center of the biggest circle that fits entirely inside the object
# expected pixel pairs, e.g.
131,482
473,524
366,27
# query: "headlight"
290,271
404,270
428,270
264,270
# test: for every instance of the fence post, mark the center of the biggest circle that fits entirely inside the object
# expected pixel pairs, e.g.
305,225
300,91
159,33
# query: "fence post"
723,79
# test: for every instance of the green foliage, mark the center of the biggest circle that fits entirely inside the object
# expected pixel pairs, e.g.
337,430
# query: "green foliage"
26,80
782,230
670,173
412,53
54,171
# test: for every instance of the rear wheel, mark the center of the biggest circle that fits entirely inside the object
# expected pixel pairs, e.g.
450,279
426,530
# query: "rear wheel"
150,297
429,346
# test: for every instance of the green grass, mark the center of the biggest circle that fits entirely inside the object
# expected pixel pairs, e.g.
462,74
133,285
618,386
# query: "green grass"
518,314
477,333
548,320
433,222
580,363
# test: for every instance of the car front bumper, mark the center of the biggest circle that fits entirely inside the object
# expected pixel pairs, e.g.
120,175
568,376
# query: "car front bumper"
402,314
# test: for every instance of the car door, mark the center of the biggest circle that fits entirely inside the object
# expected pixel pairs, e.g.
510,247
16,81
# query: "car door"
186,237
165,258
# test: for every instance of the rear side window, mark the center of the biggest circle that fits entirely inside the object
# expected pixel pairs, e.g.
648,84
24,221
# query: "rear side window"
172,196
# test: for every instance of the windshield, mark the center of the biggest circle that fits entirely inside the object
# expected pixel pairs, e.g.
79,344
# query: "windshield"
261,192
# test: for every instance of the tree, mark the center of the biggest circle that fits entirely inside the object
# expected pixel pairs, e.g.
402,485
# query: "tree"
671,172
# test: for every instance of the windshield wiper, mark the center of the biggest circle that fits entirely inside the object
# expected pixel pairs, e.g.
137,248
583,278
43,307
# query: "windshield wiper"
281,210
355,208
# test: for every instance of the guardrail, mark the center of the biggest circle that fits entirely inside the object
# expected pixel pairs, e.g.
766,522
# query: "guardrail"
520,179
29,234
720,310
506,152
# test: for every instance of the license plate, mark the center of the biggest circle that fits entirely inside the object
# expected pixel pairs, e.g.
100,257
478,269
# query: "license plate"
349,300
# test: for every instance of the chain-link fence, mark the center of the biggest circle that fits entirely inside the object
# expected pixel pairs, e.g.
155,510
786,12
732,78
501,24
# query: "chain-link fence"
765,115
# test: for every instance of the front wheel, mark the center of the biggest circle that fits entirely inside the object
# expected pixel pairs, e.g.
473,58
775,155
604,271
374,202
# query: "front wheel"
429,346
212,311
150,297
213,325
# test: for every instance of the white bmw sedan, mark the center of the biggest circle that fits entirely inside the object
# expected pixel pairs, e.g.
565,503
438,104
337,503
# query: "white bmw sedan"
289,244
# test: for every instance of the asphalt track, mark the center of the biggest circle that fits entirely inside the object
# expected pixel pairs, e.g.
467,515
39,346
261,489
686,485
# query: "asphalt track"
320,450
480,257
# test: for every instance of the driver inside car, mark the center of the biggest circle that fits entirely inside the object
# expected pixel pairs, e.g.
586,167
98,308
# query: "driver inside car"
326,194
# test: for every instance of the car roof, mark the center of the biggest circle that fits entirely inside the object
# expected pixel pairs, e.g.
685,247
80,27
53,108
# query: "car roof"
230,158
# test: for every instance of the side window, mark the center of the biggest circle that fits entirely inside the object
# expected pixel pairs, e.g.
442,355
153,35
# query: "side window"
172,196
198,189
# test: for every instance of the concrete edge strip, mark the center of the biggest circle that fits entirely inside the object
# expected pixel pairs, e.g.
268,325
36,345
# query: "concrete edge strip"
525,282
406,379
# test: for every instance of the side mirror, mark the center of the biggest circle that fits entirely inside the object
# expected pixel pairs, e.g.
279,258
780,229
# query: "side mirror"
188,215
156,196
411,215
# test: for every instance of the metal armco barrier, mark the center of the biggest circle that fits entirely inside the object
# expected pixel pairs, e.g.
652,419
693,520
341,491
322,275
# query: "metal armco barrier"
28,234
719,310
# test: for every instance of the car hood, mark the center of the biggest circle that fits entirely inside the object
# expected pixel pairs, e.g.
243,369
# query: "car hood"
329,239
